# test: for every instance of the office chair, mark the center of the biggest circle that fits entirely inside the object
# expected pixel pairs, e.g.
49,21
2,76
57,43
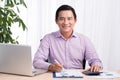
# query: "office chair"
84,63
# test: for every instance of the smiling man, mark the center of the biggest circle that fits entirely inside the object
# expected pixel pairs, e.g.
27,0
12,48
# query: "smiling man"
66,48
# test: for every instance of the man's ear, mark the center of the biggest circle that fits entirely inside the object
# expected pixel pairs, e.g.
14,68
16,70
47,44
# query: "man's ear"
56,21
75,20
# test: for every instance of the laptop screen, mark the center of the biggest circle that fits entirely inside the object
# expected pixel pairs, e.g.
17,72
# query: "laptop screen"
15,59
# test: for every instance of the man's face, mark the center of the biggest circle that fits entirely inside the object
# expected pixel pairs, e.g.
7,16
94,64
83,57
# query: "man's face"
66,21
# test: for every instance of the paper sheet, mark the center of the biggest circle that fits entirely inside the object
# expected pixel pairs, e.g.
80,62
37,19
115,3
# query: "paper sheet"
106,75
69,73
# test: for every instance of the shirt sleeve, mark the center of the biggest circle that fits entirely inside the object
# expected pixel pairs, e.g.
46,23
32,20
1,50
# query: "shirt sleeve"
91,54
41,55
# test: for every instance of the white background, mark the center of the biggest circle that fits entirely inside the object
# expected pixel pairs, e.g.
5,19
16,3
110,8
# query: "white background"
97,19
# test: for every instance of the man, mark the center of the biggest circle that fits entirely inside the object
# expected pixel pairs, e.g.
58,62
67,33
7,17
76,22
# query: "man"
66,48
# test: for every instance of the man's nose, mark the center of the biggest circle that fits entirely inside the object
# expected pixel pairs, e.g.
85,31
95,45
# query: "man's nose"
66,21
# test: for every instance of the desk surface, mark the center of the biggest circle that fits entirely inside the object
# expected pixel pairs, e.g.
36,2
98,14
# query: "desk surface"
46,76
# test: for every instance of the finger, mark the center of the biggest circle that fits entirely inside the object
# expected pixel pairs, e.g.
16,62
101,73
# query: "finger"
58,68
96,68
92,68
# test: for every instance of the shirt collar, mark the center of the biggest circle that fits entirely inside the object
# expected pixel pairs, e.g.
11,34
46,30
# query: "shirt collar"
58,34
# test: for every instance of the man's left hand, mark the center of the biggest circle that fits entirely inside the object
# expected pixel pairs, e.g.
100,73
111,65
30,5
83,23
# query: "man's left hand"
94,68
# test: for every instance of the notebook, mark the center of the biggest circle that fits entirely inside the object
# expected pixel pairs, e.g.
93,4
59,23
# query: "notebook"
17,59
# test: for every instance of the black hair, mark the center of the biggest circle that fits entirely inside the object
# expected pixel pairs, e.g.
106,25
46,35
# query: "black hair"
65,7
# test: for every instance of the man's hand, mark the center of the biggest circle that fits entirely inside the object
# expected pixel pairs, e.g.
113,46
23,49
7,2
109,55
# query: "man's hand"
95,68
55,67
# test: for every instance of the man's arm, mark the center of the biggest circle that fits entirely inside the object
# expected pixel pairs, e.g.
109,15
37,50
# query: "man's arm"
92,57
42,55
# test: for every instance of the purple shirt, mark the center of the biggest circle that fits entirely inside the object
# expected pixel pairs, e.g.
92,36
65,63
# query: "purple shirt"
70,52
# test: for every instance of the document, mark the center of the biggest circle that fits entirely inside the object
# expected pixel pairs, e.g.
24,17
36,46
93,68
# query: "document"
68,73
106,75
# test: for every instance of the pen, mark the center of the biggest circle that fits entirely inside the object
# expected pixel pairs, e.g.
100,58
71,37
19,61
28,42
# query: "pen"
56,61
59,63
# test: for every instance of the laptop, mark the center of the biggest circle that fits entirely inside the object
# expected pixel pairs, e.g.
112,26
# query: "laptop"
17,59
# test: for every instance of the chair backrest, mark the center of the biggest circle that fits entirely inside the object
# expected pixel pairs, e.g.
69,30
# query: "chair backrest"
84,63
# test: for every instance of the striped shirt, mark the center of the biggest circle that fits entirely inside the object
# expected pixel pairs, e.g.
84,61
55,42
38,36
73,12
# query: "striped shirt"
70,52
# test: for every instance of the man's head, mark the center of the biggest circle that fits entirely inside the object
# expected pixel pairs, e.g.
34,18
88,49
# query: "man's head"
65,7
65,19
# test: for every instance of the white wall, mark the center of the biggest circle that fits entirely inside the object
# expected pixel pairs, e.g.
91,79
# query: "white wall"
98,19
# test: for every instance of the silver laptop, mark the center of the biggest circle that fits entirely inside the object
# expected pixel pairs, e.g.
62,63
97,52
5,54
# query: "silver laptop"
17,59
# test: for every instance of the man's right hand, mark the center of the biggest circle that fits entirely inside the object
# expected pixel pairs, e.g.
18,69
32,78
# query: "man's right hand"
55,67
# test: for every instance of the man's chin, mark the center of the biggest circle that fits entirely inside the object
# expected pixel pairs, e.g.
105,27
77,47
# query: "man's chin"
66,31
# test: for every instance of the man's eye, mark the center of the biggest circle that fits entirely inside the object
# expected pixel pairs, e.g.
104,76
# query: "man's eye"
69,18
61,18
